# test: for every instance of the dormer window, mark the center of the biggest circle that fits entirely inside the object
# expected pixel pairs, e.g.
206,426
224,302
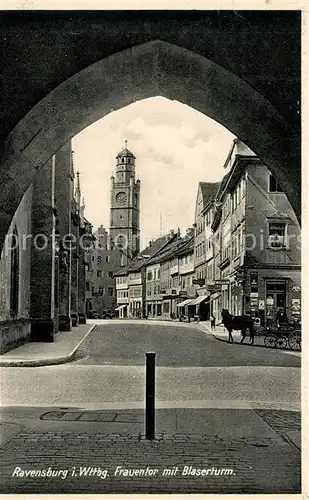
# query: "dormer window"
277,234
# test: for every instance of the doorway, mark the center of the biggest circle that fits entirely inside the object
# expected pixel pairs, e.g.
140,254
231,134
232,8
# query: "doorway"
275,300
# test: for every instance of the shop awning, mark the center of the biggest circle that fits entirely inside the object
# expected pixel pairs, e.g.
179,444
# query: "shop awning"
214,296
121,307
200,299
185,302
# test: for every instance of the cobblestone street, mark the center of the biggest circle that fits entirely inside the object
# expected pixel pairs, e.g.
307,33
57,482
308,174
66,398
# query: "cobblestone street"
227,419
245,460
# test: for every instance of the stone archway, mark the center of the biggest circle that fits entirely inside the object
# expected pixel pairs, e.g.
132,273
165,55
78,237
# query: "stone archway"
147,70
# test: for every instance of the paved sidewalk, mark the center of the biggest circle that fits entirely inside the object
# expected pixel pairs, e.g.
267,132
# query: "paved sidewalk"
48,353
244,451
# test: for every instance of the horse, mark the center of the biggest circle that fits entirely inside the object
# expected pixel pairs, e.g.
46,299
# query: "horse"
242,323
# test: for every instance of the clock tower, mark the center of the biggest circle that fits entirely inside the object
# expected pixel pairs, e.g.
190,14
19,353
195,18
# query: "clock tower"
125,207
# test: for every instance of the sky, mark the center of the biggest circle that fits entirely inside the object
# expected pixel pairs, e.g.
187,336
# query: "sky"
175,146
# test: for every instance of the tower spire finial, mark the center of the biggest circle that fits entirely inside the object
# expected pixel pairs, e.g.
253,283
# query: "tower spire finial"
126,143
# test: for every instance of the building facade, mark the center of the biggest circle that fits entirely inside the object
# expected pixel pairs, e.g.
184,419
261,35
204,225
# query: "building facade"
257,264
100,283
131,281
42,271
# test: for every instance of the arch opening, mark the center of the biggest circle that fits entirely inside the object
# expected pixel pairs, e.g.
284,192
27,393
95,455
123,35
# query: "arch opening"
152,69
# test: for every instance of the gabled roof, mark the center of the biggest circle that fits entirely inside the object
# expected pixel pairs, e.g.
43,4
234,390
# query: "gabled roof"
187,248
167,252
147,254
179,247
209,190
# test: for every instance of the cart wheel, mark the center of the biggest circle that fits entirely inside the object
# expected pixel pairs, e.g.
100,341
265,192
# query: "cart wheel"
282,342
294,340
270,340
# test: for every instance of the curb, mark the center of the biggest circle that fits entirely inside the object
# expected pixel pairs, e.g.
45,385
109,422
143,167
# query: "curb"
47,362
256,345
248,345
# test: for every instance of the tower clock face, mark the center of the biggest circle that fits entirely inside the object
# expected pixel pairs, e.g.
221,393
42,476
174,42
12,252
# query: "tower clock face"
121,198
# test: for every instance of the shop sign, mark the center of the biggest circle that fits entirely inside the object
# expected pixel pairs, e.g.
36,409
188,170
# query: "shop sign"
253,279
214,288
200,281
254,294
295,306
254,302
222,282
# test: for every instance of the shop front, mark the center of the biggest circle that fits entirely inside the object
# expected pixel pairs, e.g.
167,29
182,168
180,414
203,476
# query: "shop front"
154,309
135,309
183,308
273,297
167,309
122,311
201,307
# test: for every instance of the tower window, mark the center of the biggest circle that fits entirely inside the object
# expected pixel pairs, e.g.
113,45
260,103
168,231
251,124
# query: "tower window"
122,160
129,160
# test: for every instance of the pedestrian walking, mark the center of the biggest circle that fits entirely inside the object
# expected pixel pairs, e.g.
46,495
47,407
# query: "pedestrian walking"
212,322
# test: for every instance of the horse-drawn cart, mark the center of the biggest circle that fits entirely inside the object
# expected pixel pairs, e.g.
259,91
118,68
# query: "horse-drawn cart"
283,336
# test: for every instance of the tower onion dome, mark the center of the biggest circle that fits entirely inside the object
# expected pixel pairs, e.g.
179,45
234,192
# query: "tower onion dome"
125,153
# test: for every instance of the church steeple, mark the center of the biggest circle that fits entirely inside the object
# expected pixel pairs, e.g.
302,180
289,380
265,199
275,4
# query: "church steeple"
125,167
125,201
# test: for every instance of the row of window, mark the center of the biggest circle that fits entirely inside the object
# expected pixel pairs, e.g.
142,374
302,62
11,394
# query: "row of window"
100,274
121,280
100,260
232,202
206,272
187,259
100,290
232,244
135,292
156,290
200,226
238,241
201,273
209,217
122,294
153,275
134,276
128,160
199,250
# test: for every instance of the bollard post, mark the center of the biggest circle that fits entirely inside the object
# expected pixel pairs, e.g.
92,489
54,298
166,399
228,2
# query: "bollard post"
150,395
